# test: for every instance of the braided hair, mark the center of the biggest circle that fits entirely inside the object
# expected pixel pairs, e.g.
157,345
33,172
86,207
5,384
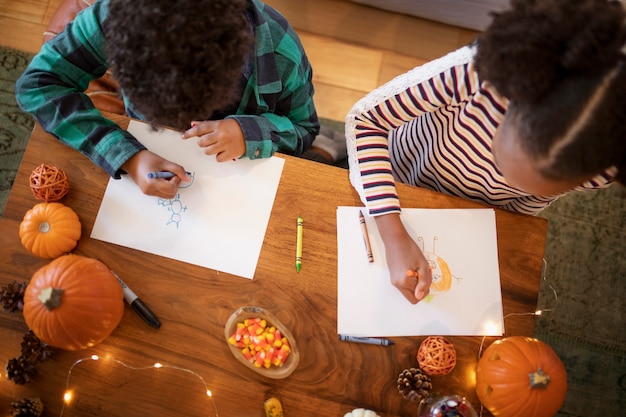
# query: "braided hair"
562,66
178,61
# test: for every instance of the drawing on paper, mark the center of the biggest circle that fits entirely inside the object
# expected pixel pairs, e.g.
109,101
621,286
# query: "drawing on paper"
442,276
175,205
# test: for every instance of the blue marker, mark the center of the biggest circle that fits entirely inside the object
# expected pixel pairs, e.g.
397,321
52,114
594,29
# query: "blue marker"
163,174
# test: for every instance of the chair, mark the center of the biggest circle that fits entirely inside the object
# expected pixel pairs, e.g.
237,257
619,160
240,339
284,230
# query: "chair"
105,91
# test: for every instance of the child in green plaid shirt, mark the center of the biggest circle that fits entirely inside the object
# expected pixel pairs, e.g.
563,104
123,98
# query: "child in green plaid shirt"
231,72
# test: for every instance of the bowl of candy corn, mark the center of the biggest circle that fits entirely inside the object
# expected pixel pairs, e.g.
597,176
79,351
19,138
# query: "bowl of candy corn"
260,341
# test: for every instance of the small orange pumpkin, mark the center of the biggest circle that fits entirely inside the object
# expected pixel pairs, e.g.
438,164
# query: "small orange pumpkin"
521,377
73,303
49,230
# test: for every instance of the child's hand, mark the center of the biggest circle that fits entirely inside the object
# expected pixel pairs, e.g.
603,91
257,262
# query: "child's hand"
408,268
144,162
222,138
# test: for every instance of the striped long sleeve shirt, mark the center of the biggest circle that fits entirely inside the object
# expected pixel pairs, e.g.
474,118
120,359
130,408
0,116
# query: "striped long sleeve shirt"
433,127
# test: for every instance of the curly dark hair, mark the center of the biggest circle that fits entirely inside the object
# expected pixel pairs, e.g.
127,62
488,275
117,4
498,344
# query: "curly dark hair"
561,65
178,61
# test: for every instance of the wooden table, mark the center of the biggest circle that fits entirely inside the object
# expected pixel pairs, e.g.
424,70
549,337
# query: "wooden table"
193,304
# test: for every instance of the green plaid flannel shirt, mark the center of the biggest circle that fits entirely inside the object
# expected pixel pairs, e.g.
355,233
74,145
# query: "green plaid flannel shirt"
276,112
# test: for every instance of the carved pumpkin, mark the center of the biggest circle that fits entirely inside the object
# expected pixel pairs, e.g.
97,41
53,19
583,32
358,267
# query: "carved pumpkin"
521,377
73,303
49,230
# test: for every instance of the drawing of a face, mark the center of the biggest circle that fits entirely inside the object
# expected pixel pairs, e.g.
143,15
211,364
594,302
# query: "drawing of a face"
188,184
442,277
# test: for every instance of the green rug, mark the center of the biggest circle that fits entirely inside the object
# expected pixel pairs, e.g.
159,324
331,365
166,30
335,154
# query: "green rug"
15,126
585,265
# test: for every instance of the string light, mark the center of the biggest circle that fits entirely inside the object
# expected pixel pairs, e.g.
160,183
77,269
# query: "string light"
537,312
68,394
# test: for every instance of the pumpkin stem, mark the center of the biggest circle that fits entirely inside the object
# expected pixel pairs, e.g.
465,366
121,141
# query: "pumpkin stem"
539,379
44,227
51,297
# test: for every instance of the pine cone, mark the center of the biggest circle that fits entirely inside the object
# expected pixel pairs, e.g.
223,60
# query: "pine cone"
20,371
34,350
12,296
28,407
414,385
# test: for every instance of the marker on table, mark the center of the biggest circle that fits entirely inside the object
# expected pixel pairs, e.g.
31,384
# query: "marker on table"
163,174
300,225
366,340
366,237
133,300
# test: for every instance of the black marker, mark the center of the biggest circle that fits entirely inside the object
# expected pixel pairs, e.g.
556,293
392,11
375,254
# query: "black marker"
133,300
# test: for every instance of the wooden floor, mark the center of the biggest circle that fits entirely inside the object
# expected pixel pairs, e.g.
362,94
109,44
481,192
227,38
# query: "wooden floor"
352,48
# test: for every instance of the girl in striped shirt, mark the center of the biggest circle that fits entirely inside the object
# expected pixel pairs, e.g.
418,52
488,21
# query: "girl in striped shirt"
532,110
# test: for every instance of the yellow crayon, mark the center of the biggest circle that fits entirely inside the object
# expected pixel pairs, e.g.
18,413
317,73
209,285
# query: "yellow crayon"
299,245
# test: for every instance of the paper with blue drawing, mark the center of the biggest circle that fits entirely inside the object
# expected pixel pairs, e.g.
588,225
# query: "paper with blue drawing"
465,297
218,221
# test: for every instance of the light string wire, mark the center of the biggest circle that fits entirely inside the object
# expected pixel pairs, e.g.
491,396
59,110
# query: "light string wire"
67,396
538,312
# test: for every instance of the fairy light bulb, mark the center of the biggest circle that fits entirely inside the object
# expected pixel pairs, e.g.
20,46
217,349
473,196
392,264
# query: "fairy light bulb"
158,365
67,397
491,328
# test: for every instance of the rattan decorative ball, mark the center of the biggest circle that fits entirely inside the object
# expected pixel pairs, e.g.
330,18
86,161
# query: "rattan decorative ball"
436,356
49,183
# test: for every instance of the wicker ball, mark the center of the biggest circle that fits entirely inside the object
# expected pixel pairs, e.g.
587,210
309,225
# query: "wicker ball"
436,356
49,183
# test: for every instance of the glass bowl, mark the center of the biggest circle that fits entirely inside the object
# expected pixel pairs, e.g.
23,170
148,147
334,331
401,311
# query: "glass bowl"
273,371
436,405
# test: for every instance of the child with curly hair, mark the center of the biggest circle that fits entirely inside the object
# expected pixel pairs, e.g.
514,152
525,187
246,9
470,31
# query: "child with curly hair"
530,111
234,70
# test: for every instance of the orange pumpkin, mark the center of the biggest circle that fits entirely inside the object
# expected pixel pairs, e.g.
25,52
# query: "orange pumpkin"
49,230
521,377
73,303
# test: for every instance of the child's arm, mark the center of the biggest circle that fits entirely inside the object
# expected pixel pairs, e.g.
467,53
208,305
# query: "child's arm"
286,120
368,126
52,89
371,120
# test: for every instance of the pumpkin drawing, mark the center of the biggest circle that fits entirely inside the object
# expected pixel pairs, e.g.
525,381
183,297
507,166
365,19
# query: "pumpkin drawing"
49,230
73,303
521,377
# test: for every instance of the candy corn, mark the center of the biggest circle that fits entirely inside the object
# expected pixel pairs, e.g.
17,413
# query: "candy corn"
262,344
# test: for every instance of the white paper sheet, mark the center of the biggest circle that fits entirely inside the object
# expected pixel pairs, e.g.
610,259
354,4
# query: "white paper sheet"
218,221
464,240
